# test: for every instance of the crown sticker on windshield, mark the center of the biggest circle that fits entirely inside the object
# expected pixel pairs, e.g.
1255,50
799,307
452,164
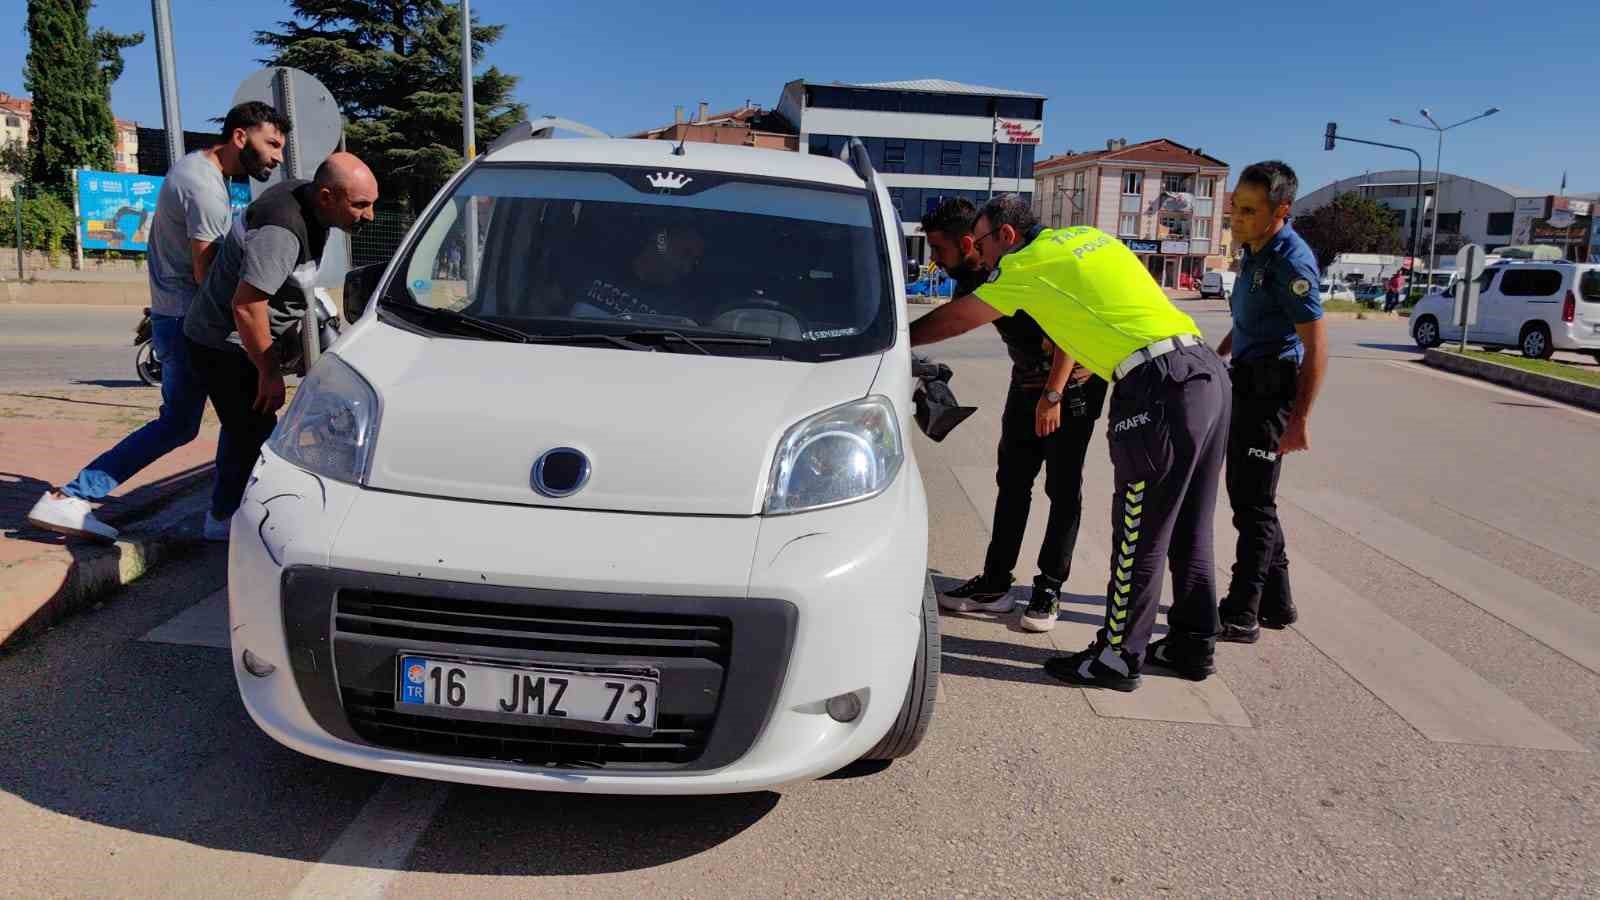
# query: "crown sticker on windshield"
670,181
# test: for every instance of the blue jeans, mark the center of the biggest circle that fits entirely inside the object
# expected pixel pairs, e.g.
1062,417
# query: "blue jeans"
183,403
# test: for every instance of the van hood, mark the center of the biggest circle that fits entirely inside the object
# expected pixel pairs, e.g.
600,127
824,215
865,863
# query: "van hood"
664,432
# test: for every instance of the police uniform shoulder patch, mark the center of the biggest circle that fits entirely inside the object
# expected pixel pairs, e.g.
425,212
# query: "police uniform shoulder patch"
1300,286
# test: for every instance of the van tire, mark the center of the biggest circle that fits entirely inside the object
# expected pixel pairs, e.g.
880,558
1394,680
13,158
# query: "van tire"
1535,341
916,711
1426,332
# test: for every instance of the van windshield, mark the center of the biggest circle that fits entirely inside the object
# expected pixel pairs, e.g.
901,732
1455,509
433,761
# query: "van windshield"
795,271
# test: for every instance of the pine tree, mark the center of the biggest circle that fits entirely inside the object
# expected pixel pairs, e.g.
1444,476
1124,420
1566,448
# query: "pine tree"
394,66
69,73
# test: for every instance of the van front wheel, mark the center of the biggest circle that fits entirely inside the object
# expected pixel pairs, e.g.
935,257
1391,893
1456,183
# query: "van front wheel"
916,711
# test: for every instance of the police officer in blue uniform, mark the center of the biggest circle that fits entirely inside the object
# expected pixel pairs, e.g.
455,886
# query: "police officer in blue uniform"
1279,349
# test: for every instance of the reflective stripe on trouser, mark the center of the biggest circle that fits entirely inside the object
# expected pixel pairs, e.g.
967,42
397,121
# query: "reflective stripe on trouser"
1167,431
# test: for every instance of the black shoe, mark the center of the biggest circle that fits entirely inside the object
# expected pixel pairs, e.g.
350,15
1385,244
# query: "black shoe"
1279,617
1043,606
981,594
1089,668
1239,629
1181,658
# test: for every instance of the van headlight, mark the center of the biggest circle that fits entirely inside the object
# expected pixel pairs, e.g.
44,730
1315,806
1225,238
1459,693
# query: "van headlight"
331,426
848,453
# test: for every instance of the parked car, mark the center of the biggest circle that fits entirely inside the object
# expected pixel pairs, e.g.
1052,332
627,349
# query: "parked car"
1335,291
634,510
1217,284
1537,306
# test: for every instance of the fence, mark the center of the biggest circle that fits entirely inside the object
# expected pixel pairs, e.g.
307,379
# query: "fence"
34,219
380,238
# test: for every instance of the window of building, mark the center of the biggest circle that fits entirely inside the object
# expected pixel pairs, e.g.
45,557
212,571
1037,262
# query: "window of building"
1176,183
1450,223
894,155
1129,224
13,122
1176,226
1202,228
1499,223
1132,183
950,158
120,157
1518,282
1205,187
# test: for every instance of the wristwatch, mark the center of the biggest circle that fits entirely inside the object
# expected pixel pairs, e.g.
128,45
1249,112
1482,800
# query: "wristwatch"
1052,397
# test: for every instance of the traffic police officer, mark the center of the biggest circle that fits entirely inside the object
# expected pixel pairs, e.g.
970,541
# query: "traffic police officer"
1048,421
1167,427
1279,352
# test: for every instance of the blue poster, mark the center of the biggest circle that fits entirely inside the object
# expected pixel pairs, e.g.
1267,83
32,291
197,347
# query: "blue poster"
115,208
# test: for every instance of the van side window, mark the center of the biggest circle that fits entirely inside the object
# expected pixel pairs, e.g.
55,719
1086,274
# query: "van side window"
1530,283
1589,286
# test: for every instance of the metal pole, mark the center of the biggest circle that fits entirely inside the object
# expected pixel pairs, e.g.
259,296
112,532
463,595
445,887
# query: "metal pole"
167,70
283,95
469,147
16,195
1438,204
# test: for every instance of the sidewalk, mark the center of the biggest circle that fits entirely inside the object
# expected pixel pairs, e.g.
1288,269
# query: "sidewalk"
45,437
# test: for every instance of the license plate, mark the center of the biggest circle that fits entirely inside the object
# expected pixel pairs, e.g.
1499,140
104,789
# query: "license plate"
553,696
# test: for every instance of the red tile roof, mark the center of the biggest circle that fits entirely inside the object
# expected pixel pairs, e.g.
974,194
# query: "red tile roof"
1161,151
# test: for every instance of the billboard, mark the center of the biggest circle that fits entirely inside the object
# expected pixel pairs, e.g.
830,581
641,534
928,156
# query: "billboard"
115,209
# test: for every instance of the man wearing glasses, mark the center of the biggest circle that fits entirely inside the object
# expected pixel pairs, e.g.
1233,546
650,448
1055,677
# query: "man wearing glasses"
1168,427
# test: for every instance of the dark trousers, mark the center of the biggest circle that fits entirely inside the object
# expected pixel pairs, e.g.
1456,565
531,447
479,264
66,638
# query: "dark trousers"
1022,453
1391,299
229,379
1263,396
1168,431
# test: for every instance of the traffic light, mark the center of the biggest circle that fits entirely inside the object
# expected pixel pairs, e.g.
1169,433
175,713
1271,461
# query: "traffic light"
1332,133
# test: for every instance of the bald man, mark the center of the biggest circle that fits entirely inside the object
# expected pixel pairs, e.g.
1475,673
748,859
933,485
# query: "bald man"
255,293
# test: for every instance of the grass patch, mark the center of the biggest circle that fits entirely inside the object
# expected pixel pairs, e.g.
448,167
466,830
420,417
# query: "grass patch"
1549,367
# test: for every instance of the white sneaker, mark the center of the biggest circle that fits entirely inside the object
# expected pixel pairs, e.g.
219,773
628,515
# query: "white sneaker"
217,529
71,516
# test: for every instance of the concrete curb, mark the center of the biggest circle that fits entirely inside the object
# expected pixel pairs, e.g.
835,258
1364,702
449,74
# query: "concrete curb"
40,594
1545,386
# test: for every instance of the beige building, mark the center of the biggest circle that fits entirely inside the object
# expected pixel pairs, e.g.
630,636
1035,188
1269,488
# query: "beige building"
16,114
748,126
1163,199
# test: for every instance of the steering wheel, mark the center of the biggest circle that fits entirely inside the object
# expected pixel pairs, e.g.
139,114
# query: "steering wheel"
760,316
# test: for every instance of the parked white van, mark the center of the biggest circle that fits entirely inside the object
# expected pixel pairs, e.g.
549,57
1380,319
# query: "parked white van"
1217,284
1537,306
623,501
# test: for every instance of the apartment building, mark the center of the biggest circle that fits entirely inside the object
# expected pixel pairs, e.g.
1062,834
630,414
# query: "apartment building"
1161,198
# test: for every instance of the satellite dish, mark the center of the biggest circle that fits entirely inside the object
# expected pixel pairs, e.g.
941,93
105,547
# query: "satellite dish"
315,130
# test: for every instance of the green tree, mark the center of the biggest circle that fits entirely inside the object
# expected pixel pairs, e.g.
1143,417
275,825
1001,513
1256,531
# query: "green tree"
395,68
69,72
1350,224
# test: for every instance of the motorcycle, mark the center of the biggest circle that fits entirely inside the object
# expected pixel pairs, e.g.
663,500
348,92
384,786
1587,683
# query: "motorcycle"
145,361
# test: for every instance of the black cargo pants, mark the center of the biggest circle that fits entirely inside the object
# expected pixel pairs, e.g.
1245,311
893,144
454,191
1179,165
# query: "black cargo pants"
1022,453
1168,431
1263,396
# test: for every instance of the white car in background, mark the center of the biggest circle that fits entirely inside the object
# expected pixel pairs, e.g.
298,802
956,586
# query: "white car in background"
1538,307
1217,284
623,504
1336,290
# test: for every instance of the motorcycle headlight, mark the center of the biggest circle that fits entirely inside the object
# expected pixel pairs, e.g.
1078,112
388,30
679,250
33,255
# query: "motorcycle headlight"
332,425
841,455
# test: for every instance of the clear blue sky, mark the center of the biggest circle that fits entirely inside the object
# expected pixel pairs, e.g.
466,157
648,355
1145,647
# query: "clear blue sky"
1245,80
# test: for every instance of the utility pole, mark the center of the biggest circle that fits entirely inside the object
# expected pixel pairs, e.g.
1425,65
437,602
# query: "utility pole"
167,70
994,138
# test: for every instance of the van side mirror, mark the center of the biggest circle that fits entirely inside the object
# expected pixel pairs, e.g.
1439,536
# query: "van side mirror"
359,283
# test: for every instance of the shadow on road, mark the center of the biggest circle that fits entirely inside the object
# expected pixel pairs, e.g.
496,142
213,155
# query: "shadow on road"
116,383
151,738
1397,348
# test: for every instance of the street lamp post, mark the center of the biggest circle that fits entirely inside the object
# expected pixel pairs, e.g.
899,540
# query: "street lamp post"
1438,188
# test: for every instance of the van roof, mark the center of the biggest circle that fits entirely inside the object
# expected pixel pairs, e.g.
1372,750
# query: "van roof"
696,157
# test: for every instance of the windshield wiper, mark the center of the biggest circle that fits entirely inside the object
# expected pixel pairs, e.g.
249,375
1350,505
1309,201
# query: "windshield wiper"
461,321
698,342
591,338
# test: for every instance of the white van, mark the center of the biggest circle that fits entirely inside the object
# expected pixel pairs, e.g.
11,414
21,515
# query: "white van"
1539,307
1217,284
622,503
